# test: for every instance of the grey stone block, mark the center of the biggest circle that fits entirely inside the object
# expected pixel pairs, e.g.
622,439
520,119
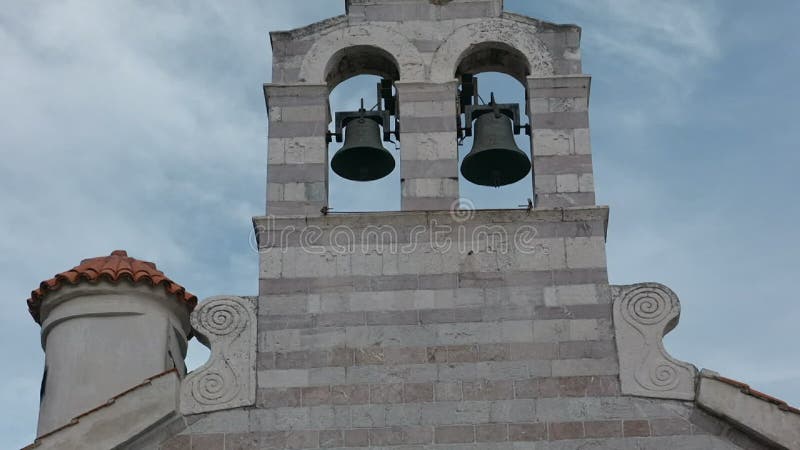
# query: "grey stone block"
295,94
562,164
431,124
444,168
427,203
233,421
404,414
295,173
409,92
449,413
300,128
368,416
565,200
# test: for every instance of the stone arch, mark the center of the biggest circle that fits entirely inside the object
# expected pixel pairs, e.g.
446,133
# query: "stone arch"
355,45
360,60
492,45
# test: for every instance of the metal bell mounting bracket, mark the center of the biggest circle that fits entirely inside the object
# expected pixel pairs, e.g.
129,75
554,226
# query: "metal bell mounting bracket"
472,110
387,107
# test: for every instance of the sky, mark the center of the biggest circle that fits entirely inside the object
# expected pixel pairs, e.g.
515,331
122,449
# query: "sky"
141,125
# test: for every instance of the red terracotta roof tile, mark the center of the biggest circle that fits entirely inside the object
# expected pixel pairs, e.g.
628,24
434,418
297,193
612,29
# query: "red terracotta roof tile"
746,389
112,268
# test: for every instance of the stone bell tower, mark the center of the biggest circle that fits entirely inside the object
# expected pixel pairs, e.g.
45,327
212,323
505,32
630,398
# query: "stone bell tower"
424,48
434,327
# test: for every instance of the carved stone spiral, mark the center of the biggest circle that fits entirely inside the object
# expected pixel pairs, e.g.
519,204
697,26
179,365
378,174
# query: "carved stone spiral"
220,318
647,306
664,377
213,388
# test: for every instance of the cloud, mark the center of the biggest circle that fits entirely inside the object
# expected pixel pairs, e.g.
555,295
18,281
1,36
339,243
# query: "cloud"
655,35
660,49
136,125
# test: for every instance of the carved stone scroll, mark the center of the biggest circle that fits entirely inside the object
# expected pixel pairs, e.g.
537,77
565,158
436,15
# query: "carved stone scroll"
643,314
228,380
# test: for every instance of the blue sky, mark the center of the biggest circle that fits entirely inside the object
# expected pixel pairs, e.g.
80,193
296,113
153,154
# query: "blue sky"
141,125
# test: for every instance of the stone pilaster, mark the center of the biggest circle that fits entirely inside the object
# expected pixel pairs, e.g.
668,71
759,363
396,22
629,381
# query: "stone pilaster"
428,150
562,158
297,168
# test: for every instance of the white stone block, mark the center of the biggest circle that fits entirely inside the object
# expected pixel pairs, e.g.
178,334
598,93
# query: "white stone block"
586,182
294,192
540,105
582,138
275,151
305,150
274,191
551,330
567,183
540,254
547,142
586,252
429,146
270,264
303,113
577,294
585,367
545,184
584,330
427,109
279,340
283,378
274,113
516,331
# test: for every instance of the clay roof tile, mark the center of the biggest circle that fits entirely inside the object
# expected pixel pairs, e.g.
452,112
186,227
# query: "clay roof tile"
746,389
113,268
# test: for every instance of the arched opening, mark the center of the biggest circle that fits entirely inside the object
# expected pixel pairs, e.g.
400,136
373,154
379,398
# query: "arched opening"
346,195
501,70
494,57
360,60
352,74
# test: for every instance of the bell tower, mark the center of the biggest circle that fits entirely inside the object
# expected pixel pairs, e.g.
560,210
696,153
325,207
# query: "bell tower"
427,54
438,325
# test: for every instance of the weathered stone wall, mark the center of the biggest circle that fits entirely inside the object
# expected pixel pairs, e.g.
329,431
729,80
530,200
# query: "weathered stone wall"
491,330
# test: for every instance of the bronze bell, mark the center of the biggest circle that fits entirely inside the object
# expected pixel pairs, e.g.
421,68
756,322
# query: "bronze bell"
495,160
362,157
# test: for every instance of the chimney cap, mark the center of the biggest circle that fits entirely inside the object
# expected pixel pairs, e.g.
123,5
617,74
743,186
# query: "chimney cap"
113,268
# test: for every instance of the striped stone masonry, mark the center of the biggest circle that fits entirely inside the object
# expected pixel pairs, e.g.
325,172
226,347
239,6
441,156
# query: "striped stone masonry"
428,151
562,157
297,161
667,426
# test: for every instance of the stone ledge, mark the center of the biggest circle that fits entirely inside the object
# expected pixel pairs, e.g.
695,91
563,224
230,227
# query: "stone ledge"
120,419
766,417
364,219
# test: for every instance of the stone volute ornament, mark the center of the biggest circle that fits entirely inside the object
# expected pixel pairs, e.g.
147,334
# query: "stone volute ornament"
227,325
643,314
